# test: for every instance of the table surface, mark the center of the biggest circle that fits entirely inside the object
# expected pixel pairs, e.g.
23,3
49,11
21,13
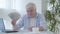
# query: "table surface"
22,32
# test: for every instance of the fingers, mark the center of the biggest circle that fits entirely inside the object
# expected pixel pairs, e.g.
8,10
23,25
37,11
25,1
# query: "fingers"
30,28
41,28
13,22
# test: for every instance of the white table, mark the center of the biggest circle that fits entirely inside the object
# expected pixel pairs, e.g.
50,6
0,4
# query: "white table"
22,32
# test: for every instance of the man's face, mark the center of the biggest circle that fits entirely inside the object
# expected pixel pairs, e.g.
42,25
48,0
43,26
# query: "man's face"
31,11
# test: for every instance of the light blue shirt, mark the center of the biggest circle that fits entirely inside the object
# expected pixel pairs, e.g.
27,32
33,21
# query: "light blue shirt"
25,21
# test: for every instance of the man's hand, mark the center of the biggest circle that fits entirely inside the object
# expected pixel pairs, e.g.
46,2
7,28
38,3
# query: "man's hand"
15,28
41,28
30,28
14,22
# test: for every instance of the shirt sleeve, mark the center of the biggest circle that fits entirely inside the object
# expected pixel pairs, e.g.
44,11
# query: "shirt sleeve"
43,23
20,23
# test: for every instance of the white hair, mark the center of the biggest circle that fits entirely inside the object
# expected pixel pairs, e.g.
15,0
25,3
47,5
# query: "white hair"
31,5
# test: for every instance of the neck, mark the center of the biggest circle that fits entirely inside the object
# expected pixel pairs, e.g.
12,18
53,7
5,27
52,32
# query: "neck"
33,15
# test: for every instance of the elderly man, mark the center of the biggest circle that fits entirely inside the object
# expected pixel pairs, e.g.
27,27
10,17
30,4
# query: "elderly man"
31,20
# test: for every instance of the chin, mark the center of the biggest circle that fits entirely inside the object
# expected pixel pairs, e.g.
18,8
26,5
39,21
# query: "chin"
31,16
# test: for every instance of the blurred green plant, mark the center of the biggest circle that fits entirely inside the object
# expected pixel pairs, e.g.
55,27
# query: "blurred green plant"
51,15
